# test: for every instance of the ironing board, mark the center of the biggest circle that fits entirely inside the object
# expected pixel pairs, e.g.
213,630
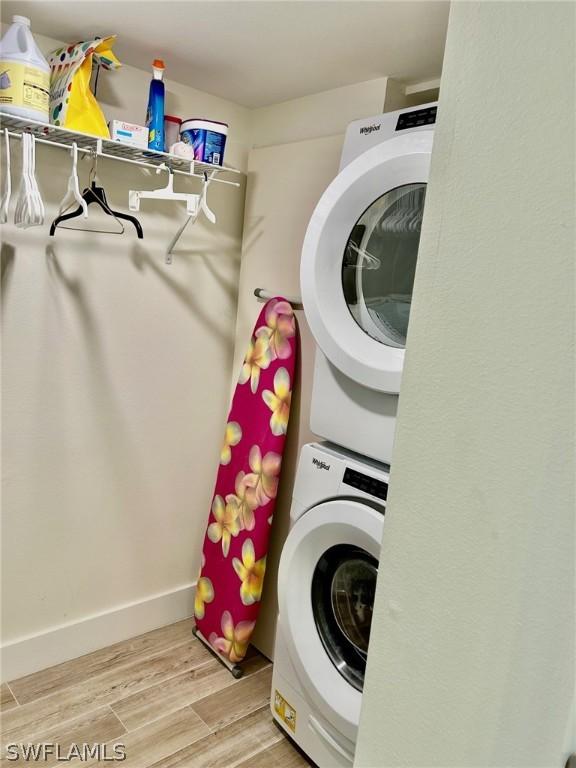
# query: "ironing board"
229,586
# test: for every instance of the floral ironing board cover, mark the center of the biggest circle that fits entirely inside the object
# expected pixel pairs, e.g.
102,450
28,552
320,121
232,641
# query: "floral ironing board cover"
234,552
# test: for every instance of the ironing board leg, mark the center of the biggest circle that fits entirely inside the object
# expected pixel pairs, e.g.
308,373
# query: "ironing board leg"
235,669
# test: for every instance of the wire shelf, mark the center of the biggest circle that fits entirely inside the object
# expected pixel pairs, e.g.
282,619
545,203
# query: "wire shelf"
45,133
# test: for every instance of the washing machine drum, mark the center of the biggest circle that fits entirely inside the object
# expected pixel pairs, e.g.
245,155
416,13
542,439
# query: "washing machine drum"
326,585
359,259
343,587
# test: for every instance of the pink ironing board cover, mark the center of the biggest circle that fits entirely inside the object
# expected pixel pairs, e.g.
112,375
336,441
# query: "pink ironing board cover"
230,583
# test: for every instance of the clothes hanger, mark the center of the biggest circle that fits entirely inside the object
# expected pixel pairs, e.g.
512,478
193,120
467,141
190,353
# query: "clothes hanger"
96,194
73,192
29,211
164,193
366,260
21,199
202,206
406,218
7,191
39,209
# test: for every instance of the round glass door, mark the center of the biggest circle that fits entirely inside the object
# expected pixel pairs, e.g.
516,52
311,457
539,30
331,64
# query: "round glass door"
380,261
343,588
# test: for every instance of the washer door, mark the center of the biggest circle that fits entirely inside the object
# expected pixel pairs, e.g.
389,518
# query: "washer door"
343,588
359,259
326,585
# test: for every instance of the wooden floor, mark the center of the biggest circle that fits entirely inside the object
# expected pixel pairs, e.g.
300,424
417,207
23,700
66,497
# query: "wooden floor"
161,694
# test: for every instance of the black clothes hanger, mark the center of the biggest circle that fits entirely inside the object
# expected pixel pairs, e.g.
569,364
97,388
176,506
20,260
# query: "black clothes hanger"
96,194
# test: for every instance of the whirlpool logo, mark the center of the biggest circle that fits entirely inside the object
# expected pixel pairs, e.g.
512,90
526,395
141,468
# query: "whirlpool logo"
366,129
320,464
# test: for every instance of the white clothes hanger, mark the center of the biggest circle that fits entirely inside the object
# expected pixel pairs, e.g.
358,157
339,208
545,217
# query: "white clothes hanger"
164,193
38,203
29,206
202,207
19,218
73,194
366,260
7,191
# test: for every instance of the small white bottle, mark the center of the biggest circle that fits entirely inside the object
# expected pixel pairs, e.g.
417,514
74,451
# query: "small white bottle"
24,73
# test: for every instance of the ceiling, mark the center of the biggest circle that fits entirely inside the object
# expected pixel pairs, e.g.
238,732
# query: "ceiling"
258,52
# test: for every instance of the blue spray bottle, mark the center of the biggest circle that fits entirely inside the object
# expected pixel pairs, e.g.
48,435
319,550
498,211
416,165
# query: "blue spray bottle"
155,112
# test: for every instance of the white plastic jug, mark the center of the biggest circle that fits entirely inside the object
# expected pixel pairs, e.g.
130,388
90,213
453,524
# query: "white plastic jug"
24,73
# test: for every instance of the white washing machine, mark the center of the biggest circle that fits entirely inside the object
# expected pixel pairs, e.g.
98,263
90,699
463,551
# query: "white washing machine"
326,585
357,272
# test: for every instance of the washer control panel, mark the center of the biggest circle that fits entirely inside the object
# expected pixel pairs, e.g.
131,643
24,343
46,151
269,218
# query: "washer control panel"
362,482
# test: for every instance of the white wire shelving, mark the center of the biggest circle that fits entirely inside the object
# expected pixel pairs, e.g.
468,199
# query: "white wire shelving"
53,135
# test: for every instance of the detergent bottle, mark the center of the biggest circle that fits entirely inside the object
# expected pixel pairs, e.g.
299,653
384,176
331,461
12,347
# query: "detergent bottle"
24,73
155,112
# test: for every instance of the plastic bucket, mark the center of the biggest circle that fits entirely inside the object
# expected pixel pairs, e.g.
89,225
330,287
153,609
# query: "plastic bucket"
207,137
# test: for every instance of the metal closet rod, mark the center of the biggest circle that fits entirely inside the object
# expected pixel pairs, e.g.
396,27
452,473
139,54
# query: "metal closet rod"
264,295
100,153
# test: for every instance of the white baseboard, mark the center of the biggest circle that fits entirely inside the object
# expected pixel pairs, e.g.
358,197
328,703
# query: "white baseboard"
68,641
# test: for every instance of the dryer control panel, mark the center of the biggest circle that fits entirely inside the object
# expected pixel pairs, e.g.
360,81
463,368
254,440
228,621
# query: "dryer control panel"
364,134
416,118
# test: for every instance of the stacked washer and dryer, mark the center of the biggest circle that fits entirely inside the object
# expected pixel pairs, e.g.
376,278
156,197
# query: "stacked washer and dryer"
357,272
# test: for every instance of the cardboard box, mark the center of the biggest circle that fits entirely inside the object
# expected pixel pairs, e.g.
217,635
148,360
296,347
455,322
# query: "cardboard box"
129,133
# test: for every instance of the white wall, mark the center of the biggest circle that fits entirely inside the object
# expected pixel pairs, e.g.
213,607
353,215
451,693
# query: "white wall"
471,658
116,372
317,115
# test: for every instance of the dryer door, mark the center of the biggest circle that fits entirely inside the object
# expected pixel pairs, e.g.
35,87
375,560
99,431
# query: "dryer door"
326,585
359,259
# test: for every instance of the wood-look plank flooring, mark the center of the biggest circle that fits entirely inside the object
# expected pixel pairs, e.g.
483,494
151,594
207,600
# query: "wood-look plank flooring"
163,695
7,700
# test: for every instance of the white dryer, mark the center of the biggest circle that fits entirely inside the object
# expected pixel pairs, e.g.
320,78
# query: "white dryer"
357,272
326,585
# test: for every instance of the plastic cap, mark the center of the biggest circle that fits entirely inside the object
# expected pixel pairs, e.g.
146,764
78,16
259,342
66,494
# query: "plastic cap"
158,63
21,20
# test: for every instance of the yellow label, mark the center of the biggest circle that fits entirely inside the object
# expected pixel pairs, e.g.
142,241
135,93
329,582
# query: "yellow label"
23,85
285,711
